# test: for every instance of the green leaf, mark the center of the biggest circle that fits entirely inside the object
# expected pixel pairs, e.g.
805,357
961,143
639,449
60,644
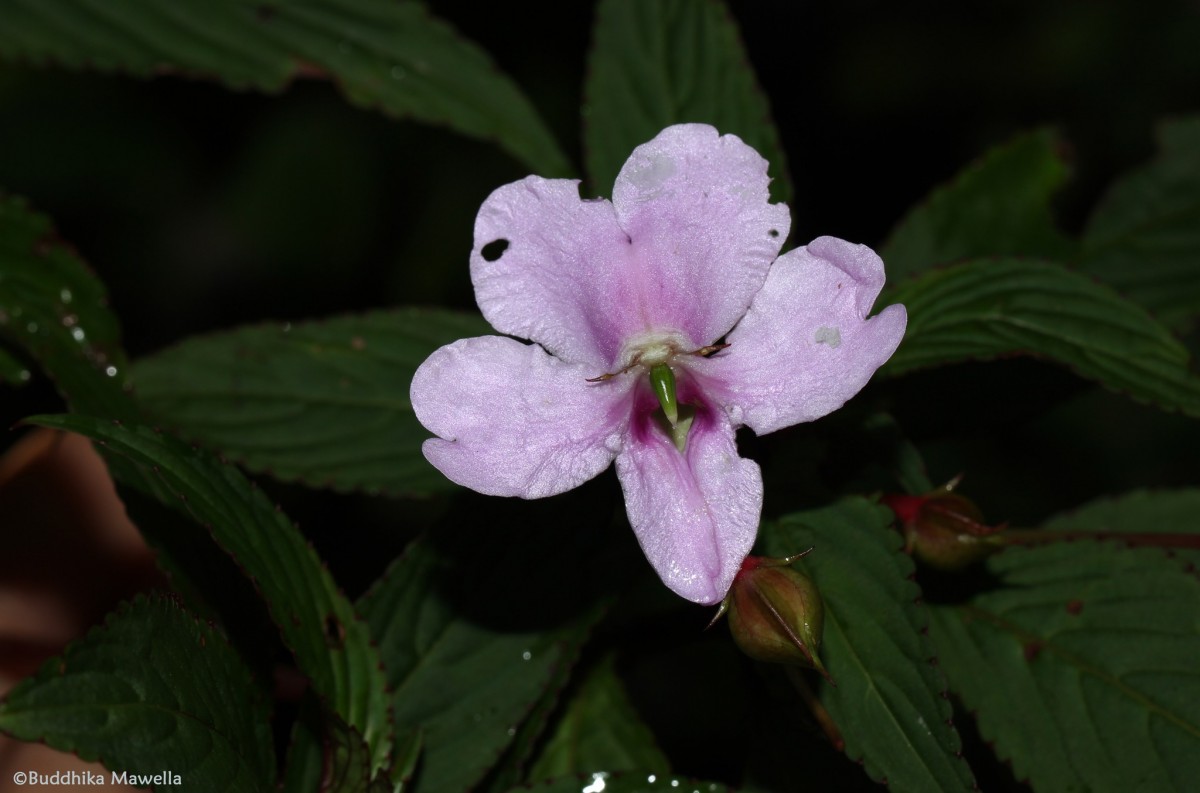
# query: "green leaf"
599,730
1144,237
1082,668
999,206
625,782
322,402
386,54
1141,512
989,308
330,643
466,642
671,62
152,689
328,755
57,311
887,701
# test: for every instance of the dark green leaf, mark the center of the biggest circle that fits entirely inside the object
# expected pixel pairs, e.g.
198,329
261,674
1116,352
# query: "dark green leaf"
466,645
599,730
386,54
624,782
671,62
999,206
888,699
153,689
57,311
1082,667
1140,512
331,644
1144,238
323,739
324,402
996,307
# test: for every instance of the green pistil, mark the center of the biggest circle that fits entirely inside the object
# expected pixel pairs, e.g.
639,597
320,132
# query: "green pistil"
662,380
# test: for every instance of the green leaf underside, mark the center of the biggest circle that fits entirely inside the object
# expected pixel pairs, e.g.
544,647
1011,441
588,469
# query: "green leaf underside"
57,311
1141,512
623,782
323,402
330,643
989,308
599,730
153,689
386,54
999,206
467,682
321,739
671,62
1082,667
888,699
1144,237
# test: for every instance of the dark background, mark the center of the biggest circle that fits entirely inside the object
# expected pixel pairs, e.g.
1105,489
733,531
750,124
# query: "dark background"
203,208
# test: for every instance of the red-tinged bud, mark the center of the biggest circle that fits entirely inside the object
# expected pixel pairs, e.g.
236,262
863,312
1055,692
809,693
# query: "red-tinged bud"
775,613
943,529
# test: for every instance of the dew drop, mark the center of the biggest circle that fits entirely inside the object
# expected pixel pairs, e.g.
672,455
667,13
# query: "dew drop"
77,334
111,371
525,656
398,73
512,731
674,783
24,375
65,296
652,779
32,327
287,327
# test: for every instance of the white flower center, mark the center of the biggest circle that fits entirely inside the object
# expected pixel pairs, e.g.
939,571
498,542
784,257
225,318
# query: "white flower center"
652,348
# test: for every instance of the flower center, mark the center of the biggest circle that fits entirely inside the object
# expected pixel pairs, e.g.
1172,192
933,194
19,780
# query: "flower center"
652,349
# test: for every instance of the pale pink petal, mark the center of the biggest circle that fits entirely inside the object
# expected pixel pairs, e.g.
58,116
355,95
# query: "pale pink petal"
704,233
515,421
550,267
695,514
805,347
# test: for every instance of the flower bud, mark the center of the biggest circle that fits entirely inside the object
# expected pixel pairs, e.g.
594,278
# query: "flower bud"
943,529
775,613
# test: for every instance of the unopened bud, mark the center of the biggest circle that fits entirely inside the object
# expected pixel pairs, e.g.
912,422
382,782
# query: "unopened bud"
943,529
775,613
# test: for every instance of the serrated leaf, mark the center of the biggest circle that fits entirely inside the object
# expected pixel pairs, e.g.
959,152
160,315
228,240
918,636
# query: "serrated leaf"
1081,667
330,642
57,311
386,54
623,782
998,206
670,62
328,755
988,308
599,730
153,689
1144,237
458,670
1140,512
322,402
887,700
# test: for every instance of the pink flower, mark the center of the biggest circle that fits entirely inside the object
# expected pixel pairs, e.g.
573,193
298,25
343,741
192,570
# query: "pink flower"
684,255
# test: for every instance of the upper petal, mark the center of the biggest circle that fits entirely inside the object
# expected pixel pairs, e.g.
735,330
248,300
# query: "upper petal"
695,514
805,346
704,232
550,267
515,421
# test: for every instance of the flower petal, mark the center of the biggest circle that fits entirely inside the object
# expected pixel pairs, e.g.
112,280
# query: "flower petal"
695,514
696,207
515,421
804,348
550,267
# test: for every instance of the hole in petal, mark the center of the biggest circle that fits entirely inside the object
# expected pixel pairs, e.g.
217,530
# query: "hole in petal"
773,233
494,250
